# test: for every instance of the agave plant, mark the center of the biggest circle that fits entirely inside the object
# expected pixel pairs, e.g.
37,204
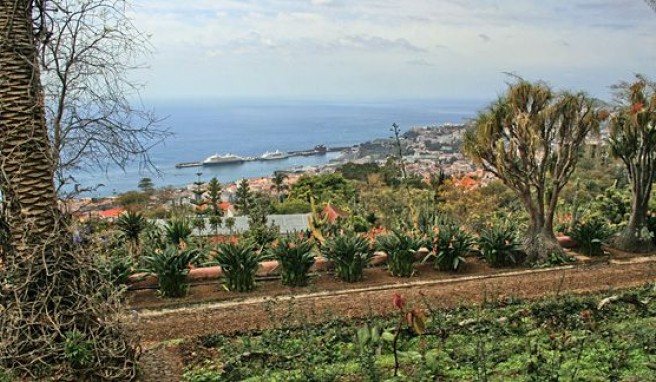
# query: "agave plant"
295,256
451,245
116,264
500,247
350,253
239,264
178,230
590,234
171,266
401,249
132,224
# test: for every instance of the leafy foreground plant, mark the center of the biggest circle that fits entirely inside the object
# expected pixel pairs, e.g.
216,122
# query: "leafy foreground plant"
413,318
590,234
239,265
451,246
350,253
499,247
401,249
296,257
568,338
171,266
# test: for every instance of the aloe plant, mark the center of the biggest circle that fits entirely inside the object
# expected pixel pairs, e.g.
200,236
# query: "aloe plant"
350,253
451,245
590,234
239,264
401,249
119,268
500,247
296,257
171,266
178,230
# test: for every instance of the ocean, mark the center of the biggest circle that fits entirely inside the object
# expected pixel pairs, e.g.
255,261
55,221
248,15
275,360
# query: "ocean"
250,128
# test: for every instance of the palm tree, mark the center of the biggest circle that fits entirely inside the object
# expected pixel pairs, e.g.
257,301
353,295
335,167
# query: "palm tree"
230,223
132,224
46,275
279,186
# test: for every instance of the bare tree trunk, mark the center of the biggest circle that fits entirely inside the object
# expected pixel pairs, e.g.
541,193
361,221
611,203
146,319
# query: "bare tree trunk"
539,240
632,239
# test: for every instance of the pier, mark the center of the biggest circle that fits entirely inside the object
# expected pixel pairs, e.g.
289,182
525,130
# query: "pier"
317,150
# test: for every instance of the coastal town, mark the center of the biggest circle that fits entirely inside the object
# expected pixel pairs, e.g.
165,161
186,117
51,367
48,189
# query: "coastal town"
426,150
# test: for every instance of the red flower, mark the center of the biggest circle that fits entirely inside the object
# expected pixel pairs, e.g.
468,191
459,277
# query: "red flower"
637,107
398,301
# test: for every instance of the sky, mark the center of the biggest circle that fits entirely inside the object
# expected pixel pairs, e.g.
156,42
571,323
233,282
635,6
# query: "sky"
350,50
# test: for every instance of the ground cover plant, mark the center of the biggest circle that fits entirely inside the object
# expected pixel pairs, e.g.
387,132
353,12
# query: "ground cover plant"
558,338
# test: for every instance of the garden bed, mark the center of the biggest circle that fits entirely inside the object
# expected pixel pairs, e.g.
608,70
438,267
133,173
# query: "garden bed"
209,309
177,340
207,290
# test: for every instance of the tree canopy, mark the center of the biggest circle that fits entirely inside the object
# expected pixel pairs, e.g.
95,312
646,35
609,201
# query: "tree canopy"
530,138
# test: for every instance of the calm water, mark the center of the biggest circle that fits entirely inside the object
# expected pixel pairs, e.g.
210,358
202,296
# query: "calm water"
251,128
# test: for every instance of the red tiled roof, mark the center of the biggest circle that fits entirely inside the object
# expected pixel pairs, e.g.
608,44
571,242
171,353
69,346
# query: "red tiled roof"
113,213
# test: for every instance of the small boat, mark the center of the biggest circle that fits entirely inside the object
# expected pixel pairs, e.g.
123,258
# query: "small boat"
276,155
217,159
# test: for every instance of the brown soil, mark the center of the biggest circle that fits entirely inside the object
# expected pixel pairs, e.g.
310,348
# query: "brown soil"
211,291
208,310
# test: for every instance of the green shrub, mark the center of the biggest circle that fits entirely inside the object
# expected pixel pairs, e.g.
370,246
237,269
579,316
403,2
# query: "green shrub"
239,265
590,234
171,266
451,245
401,249
500,247
350,253
178,230
295,257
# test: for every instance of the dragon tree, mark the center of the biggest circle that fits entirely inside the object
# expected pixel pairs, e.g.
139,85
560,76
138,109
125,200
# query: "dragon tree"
530,138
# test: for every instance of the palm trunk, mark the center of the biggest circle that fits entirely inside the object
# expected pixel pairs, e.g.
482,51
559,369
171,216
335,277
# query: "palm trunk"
27,166
49,287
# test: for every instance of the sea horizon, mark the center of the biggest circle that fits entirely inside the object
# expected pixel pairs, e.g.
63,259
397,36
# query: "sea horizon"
250,127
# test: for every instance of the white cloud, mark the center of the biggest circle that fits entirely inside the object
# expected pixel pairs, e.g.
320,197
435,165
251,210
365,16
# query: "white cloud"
322,47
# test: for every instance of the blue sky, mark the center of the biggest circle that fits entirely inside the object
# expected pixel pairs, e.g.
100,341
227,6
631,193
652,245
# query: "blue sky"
390,49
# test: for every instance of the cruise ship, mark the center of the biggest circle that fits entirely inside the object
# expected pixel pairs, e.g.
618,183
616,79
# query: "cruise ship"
217,159
274,155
